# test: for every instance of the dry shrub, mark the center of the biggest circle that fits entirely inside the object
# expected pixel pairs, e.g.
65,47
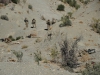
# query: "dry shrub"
11,60
68,53
85,57
54,54
37,56
19,12
80,22
18,55
92,70
38,40
1,5
96,25
24,46
45,61
43,18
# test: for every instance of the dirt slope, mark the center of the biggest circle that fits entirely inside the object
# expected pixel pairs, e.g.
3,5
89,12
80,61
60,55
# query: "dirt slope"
47,8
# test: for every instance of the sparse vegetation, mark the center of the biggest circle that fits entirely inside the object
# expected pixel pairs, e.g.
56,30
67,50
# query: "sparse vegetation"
15,1
96,25
24,1
61,7
18,54
72,3
37,56
84,1
19,37
30,7
12,39
38,40
92,70
54,54
65,21
77,6
70,14
68,53
45,61
24,46
4,17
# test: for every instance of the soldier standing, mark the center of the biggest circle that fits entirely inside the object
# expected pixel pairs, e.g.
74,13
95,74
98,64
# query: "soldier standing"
48,24
26,22
34,23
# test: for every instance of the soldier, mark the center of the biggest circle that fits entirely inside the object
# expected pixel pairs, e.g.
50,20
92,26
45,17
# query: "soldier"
26,22
34,23
48,24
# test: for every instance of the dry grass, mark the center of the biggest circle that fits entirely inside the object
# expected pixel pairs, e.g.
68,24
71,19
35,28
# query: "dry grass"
87,44
19,12
81,22
1,5
24,46
38,40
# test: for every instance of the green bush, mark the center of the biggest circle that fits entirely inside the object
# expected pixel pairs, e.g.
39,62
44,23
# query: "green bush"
68,1
19,37
74,3
61,7
71,3
30,7
4,17
15,1
85,2
77,6
70,14
11,38
65,21
95,70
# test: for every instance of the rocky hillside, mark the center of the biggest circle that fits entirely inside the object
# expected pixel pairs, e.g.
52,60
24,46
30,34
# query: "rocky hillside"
76,31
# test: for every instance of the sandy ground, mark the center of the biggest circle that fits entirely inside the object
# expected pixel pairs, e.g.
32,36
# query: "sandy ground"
47,8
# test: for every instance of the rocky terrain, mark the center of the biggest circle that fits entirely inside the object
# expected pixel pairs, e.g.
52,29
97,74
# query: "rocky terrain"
15,27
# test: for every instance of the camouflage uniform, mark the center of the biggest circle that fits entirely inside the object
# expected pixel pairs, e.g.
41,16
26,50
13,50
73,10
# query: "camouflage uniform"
26,22
48,24
34,23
